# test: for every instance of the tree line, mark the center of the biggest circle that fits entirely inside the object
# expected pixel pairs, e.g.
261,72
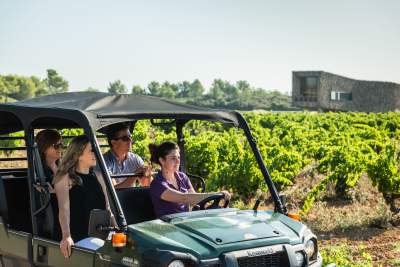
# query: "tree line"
221,94
16,87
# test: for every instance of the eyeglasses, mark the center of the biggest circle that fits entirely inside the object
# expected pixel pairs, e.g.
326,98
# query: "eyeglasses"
124,138
58,146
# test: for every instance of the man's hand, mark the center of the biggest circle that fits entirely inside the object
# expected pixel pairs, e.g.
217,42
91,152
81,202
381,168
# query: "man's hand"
227,195
146,179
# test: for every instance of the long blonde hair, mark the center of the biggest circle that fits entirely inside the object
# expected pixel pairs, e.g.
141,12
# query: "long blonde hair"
70,159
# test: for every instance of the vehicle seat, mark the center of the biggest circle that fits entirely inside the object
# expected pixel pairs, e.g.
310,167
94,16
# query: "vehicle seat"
136,204
17,197
3,202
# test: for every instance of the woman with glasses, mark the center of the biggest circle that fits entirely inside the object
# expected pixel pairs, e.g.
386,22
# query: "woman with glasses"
79,190
50,146
171,190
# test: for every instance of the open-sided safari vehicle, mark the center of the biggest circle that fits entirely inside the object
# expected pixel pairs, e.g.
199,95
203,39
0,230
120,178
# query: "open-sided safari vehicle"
209,237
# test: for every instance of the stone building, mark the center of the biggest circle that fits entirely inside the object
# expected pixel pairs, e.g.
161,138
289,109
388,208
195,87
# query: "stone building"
321,90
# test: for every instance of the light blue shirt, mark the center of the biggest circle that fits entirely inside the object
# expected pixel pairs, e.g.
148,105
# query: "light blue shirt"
130,164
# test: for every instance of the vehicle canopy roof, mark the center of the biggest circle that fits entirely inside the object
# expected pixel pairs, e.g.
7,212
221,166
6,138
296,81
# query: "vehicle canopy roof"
93,111
96,109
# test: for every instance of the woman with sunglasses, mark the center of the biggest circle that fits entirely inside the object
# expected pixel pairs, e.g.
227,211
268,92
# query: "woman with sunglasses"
50,146
79,190
171,190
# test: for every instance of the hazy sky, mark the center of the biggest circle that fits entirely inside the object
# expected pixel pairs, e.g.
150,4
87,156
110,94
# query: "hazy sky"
91,43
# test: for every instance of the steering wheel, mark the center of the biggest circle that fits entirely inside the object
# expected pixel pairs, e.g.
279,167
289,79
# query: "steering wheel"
215,199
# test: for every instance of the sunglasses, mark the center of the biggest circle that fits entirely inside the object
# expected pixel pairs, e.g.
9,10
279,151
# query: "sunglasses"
58,146
124,138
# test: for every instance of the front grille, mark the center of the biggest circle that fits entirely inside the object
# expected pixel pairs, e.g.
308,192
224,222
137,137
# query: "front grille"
272,260
268,256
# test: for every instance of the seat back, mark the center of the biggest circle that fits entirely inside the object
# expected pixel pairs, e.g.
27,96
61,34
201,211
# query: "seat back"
3,202
47,220
19,210
136,204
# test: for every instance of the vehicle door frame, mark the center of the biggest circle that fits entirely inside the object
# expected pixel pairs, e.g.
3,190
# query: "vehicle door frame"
45,251
11,240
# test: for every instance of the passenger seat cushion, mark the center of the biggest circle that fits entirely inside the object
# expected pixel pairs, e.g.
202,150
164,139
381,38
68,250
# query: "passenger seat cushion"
136,204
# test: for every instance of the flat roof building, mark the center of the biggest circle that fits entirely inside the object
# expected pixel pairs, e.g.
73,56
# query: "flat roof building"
328,91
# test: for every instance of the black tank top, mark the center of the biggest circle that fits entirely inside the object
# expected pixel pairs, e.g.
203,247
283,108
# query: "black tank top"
82,199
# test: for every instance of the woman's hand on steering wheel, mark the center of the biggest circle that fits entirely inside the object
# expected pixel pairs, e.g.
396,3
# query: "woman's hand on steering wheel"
215,200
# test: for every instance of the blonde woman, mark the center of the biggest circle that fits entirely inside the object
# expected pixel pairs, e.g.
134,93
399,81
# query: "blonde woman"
79,190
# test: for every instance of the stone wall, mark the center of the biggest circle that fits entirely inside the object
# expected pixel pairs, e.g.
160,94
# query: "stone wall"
367,96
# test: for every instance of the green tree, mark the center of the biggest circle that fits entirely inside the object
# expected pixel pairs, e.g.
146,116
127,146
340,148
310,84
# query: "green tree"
92,89
216,91
10,84
117,87
245,93
14,87
154,88
3,90
40,86
25,88
230,91
55,83
183,89
137,90
168,90
196,89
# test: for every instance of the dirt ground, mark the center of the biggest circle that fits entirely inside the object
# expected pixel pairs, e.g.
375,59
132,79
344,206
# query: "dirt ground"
382,244
361,220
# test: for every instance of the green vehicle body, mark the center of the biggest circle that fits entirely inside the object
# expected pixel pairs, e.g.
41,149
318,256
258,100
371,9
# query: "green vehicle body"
214,237
206,235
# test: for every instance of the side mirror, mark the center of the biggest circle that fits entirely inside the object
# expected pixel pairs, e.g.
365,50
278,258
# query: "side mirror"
283,199
99,223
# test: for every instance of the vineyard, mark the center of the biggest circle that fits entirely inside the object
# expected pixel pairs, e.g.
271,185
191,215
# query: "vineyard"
340,146
336,152
346,154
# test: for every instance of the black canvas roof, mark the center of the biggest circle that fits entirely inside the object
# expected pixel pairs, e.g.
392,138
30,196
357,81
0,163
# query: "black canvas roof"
97,109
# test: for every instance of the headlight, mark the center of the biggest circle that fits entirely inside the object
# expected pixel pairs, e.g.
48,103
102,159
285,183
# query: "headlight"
300,259
311,248
176,263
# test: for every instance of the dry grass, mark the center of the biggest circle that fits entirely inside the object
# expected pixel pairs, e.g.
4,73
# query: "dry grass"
13,164
365,207
361,220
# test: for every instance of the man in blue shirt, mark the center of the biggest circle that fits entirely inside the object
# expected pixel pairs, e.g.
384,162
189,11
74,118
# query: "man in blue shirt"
119,159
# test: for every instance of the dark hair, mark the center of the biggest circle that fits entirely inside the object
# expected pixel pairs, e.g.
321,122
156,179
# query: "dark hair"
70,160
161,150
112,130
45,139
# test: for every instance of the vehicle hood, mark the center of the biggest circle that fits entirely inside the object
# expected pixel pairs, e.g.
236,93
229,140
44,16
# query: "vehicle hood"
216,231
